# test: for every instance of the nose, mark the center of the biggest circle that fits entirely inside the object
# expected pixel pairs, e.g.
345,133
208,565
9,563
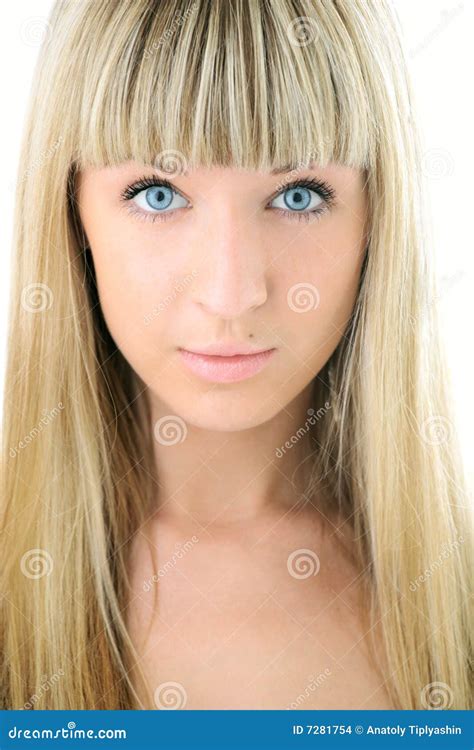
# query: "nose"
232,268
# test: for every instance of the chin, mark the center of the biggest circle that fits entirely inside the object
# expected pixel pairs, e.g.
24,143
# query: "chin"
222,410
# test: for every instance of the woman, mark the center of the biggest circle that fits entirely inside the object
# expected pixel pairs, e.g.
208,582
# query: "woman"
230,465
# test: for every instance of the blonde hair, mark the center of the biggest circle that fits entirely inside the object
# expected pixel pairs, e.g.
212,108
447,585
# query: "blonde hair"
255,85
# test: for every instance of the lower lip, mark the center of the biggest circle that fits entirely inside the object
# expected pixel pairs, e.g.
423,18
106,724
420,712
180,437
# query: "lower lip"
226,369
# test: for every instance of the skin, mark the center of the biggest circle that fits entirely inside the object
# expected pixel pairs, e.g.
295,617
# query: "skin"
242,260
223,481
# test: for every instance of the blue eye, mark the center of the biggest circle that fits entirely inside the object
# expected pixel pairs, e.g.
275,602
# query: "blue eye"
298,199
304,199
158,198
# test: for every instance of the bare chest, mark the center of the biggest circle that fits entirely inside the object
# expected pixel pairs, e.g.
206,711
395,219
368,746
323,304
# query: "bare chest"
252,632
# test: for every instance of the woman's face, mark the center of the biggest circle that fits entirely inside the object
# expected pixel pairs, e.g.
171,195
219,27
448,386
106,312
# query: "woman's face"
225,256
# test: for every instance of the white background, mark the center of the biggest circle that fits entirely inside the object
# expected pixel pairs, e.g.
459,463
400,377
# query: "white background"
438,36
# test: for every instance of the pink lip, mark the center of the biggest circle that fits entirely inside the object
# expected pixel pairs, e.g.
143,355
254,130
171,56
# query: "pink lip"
223,369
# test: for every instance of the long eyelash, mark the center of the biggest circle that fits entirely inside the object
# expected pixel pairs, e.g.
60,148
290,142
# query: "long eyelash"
319,186
145,182
325,190
142,184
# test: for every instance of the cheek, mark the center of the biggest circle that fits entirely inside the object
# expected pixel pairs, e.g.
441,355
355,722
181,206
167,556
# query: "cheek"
135,284
317,289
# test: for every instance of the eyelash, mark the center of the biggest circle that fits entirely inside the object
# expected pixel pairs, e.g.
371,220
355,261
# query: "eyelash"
325,191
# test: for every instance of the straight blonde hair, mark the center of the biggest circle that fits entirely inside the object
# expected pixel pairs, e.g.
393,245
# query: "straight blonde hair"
255,85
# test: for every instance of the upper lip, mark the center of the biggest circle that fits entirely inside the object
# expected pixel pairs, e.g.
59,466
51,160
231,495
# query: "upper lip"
229,349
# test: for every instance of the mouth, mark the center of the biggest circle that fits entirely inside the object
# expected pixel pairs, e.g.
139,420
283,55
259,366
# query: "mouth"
226,369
